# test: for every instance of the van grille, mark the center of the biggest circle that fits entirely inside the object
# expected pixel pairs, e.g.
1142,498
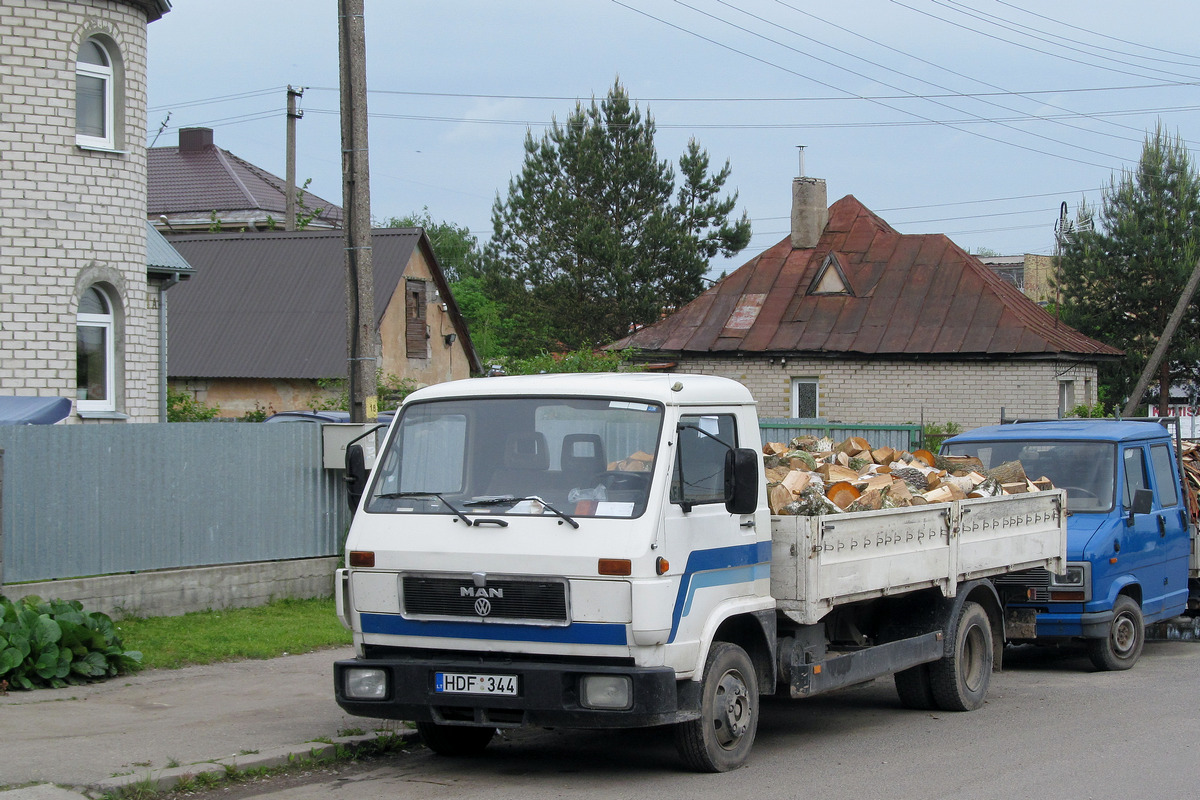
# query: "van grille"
534,601
1034,584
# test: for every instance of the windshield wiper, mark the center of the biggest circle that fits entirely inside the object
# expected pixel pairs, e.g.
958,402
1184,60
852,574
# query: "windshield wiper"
457,513
510,499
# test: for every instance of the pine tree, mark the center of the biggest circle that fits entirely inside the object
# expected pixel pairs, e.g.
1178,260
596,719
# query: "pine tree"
1121,272
591,238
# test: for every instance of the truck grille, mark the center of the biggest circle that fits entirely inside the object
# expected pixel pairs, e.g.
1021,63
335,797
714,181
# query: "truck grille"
534,601
1035,580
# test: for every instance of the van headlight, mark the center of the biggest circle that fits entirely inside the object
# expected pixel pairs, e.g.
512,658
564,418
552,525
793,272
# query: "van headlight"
1075,577
1074,585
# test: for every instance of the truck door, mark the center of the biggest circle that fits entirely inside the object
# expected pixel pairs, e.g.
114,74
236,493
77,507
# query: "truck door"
718,555
1141,545
1172,529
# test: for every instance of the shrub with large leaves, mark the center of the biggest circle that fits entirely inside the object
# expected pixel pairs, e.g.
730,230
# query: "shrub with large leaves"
57,643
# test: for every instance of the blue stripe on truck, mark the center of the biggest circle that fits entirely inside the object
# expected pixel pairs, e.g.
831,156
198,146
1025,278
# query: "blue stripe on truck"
719,567
575,633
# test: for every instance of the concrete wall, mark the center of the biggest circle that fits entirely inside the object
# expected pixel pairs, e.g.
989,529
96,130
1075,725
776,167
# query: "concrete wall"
173,592
69,216
880,391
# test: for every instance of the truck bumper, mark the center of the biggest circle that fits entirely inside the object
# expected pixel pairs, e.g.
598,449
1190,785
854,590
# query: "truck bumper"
548,695
1088,624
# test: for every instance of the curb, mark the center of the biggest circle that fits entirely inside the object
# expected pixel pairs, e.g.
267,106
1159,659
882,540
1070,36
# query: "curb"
164,780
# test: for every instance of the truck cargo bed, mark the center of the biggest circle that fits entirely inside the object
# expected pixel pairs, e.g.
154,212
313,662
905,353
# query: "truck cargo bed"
824,561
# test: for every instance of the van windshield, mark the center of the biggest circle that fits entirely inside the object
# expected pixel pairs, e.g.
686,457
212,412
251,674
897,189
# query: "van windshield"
1087,470
490,456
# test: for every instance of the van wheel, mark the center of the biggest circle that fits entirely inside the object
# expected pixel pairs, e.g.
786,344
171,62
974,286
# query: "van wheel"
1123,645
959,680
914,689
722,737
455,740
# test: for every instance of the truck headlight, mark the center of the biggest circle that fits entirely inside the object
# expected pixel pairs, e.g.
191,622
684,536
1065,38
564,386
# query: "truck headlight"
365,684
1075,577
606,691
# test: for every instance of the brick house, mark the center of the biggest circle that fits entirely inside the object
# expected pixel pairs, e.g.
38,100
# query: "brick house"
264,320
81,317
850,320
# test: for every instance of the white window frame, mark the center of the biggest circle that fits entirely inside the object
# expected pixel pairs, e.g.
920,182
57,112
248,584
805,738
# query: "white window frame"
794,405
1066,396
108,75
106,322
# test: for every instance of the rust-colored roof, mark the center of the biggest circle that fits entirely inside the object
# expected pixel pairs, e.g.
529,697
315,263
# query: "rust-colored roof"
273,304
904,295
212,179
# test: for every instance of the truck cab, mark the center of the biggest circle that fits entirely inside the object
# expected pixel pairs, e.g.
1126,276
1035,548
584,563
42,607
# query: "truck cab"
1128,530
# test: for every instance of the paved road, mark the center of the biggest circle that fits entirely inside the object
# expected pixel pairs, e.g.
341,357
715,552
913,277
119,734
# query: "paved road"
1051,728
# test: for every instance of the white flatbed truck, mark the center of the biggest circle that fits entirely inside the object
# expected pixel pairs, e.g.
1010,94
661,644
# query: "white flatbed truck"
596,551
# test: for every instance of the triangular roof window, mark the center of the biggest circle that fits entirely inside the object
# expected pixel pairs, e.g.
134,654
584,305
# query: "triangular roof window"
830,278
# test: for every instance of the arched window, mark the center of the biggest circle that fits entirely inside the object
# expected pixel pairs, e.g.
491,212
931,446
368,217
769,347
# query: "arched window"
94,96
95,353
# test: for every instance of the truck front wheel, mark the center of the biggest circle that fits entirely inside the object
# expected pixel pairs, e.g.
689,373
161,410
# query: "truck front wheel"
721,738
454,740
959,680
1123,645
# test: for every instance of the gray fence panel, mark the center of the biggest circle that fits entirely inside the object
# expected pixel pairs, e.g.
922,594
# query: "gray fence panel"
94,500
897,437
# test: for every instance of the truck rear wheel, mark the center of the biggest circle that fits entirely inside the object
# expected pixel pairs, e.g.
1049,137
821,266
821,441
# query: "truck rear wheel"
455,740
1123,645
959,680
722,737
914,689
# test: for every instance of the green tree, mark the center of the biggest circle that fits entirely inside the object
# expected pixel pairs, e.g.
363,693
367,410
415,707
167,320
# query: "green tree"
592,237
455,247
182,406
1122,271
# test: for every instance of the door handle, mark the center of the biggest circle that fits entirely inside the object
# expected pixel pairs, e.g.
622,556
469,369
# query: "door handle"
1162,525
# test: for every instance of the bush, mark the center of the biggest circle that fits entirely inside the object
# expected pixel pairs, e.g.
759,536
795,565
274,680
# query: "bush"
56,643
182,407
936,434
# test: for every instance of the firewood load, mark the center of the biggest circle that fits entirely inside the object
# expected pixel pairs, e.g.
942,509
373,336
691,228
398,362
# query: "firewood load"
810,476
1190,451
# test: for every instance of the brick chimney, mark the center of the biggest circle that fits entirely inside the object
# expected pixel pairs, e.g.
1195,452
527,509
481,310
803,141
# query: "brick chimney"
193,140
810,211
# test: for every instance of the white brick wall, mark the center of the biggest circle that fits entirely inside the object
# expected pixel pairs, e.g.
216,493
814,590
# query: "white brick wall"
882,391
68,215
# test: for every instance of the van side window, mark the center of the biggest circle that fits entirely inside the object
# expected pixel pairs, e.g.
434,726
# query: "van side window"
700,469
1135,474
1164,474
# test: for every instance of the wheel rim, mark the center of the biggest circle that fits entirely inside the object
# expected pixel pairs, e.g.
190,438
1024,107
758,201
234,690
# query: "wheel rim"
1124,635
974,648
731,709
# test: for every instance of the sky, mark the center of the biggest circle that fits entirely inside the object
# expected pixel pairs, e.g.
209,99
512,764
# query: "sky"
973,118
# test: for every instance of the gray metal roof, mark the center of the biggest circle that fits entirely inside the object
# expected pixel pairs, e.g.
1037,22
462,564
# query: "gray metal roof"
161,256
273,304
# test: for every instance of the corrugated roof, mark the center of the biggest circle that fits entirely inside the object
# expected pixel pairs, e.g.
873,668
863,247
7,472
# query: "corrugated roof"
904,295
161,257
213,179
273,304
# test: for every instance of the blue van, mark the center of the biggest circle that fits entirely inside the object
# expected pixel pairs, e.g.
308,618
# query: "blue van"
1129,530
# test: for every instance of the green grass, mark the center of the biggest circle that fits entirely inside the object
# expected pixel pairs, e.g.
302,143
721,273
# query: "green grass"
206,637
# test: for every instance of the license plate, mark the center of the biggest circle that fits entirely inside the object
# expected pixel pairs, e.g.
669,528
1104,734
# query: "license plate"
460,683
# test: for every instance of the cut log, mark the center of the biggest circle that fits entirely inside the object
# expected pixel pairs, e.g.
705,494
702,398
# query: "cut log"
832,473
883,455
778,496
797,481
1009,472
1015,488
774,448
842,494
925,456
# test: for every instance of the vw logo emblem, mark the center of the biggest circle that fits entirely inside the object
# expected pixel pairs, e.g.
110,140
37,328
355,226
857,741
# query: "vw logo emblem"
483,606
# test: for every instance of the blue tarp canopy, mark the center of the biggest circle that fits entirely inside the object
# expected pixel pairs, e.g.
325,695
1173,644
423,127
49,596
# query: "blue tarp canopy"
33,410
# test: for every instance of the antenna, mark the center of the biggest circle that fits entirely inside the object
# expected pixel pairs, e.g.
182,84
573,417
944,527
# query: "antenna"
800,148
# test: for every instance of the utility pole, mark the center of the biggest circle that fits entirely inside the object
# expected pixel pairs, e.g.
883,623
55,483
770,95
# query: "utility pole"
1160,350
356,201
292,116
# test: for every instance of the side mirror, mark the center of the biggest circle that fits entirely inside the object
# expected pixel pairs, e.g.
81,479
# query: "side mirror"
356,475
1143,501
741,481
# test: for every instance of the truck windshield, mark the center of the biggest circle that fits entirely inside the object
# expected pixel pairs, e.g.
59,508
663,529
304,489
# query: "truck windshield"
490,457
1087,470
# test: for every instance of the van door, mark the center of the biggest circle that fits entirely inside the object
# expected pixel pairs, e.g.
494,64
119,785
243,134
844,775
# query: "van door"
1172,529
1141,548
